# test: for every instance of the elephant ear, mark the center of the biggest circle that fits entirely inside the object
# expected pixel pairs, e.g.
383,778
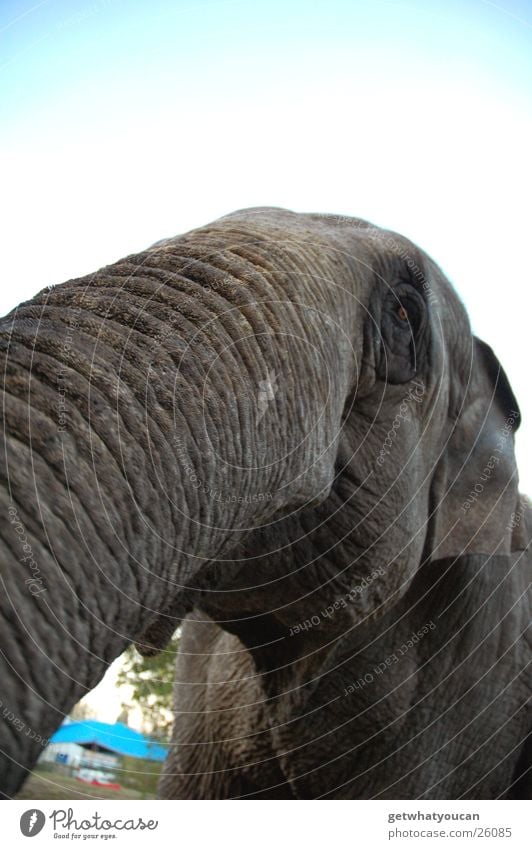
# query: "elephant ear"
474,495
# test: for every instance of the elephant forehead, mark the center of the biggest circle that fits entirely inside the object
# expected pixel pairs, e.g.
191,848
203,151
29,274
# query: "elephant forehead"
284,224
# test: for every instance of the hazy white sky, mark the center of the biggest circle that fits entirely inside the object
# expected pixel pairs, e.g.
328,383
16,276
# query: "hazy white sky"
125,121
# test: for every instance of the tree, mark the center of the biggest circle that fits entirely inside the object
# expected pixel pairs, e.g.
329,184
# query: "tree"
82,711
152,683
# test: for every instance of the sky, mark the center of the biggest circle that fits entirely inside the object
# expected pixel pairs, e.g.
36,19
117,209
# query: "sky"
124,121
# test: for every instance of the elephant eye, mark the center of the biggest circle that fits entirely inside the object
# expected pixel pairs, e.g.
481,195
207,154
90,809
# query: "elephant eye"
402,330
407,307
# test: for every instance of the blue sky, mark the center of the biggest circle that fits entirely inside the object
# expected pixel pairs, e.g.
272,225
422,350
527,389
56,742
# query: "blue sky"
125,121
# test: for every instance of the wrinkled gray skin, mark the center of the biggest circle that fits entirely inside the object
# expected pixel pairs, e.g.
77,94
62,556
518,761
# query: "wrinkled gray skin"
280,428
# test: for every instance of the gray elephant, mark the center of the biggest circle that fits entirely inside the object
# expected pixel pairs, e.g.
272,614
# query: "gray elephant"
279,430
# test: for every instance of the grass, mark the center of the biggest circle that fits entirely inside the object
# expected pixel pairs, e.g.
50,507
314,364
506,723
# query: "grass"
46,784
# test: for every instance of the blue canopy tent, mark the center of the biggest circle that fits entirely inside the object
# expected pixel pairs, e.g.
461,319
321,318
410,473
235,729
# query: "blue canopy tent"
116,738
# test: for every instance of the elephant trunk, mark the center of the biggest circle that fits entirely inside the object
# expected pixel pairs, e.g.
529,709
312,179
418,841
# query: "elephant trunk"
154,413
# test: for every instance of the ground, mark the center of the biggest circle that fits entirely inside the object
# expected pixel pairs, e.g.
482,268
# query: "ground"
44,784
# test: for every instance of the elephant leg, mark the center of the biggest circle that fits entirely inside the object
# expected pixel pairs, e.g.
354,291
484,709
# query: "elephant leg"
221,745
522,780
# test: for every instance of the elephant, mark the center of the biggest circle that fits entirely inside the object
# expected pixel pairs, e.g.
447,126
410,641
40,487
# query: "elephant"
279,432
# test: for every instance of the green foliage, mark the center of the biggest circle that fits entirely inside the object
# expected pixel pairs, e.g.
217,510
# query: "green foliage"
152,680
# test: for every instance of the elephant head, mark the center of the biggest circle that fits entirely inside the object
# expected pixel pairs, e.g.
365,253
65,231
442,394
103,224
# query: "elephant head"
253,420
